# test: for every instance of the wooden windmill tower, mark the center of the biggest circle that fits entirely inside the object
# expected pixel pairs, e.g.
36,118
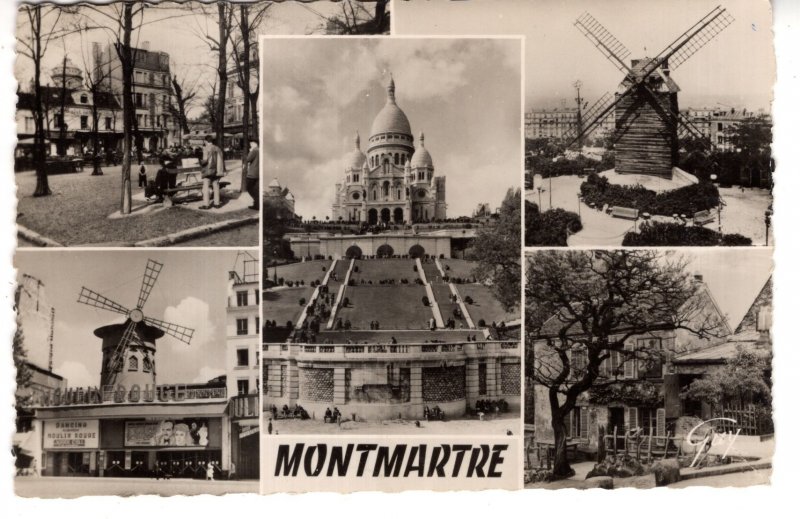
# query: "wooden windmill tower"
646,103
129,348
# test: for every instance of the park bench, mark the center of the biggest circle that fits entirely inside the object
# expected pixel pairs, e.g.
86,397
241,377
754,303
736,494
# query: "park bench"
169,193
703,217
627,213
64,165
191,170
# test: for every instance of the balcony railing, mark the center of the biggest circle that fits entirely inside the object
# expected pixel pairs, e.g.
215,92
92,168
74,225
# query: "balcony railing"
325,352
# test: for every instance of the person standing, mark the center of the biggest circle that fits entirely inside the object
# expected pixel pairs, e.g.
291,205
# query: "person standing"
214,168
142,175
252,174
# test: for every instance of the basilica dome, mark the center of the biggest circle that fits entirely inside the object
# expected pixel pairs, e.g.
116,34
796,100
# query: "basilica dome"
391,119
355,159
421,158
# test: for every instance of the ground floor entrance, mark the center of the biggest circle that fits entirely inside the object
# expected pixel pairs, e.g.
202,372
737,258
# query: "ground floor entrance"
135,463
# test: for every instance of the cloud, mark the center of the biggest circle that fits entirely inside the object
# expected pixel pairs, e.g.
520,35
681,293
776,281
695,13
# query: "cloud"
77,375
192,313
207,373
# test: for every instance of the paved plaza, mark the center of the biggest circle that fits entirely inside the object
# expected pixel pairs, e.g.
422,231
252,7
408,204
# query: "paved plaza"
53,487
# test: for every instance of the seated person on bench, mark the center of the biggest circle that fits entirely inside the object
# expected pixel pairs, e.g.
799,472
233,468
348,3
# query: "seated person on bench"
165,179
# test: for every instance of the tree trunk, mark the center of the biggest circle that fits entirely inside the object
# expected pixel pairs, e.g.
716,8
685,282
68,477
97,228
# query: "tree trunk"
42,184
61,149
127,110
244,23
96,169
222,71
561,468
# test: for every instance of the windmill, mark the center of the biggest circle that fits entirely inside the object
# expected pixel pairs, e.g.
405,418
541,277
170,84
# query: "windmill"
135,339
646,103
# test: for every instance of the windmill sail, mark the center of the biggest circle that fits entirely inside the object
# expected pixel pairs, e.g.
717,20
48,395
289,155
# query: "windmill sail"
181,333
92,298
596,114
151,272
605,42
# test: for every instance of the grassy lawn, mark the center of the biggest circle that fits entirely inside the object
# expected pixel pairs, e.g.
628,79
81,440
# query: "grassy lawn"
484,305
307,271
397,307
378,269
458,268
77,212
284,304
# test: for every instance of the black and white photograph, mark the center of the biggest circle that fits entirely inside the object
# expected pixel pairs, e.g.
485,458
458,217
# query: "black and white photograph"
646,123
392,236
137,373
648,367
135,120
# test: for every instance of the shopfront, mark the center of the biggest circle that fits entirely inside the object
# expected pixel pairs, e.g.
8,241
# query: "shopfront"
170,439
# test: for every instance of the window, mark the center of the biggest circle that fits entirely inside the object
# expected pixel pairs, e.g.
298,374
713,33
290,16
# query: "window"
108,123
84,99
30,125
147,365
651,420
650,366
133,363
241,298
257,295
242,386
578,423
719,127
482,378
84,122
241,326
243,357
139,120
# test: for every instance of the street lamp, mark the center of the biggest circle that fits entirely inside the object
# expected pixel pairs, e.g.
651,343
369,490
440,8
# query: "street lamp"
719,206
767,222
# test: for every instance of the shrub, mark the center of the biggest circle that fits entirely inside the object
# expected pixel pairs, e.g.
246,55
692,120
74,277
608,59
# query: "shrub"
673,234
290,284
346,302
468,300
415,268
302,301
280,281
685,200
425,301
550,228
289,324
481,323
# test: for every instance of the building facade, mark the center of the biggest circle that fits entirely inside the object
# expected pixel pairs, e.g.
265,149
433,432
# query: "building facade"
394,181
155,126
242,365
556,123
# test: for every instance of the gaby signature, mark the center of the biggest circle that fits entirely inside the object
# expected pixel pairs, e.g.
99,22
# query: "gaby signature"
711,438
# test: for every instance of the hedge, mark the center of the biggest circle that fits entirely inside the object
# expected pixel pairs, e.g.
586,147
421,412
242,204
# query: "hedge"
685,200
550,227
654,234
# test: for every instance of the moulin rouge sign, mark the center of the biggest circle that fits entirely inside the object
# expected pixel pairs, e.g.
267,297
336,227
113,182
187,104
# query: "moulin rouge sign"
120,394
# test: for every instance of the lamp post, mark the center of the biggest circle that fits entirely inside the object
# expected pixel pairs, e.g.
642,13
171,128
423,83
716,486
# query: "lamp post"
767,222
719,206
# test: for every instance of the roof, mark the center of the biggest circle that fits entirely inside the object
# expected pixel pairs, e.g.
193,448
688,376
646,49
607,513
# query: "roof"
421,158
43,371
722,352
51,96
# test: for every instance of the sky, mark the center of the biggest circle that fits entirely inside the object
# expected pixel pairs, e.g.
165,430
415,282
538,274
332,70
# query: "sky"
463,93
191,291
177,32
736,69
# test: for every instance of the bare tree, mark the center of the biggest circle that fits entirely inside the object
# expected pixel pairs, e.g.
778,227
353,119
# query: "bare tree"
585,307
184,93
43,22
354,18
247,24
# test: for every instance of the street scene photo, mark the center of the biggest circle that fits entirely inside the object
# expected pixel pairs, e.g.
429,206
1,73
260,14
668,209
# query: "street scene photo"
137,372
648,368
135,120
392,256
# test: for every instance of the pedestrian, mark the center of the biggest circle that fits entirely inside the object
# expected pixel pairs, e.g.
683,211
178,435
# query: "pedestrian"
142,175
232,472
252,174
210,471
269,426
213,169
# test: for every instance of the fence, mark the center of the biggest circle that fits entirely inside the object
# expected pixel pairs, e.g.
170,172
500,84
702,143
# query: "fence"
751,419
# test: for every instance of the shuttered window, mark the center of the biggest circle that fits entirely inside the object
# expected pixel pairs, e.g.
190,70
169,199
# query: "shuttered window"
630,363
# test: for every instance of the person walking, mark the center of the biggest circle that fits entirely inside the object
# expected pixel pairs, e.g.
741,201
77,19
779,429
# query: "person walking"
214,168
252,176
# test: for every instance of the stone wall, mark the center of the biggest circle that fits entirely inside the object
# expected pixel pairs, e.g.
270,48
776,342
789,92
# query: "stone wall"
316,384
510,379
443,384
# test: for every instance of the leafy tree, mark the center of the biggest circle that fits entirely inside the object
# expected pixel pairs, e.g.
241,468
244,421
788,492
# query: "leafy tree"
497,251
582,307
743,379
24,373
